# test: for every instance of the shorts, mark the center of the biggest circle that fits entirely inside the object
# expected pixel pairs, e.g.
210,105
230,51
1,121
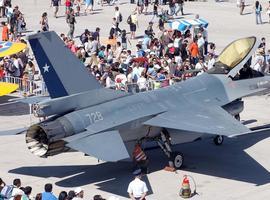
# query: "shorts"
56,8
132,27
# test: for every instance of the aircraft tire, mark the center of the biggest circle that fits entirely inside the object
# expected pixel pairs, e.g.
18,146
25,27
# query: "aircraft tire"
178,160
218,140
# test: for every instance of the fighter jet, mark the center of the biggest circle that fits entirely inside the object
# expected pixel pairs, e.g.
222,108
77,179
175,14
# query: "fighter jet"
82,115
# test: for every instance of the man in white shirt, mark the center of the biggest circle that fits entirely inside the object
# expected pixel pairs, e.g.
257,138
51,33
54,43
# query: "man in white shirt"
211,61
137,189
79,194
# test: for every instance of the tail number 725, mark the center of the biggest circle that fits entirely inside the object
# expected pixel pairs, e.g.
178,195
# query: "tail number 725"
94,117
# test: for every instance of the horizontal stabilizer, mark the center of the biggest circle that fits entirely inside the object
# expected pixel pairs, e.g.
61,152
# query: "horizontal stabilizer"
106,146
32,100
194,118
13,131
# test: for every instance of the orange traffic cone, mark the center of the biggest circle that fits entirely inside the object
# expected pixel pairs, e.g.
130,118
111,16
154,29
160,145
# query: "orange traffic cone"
185,191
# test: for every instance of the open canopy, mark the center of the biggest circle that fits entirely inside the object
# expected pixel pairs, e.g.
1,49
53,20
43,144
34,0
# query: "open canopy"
234,56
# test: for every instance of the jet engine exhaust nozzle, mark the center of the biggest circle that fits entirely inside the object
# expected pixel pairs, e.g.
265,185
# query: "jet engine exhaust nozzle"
44,139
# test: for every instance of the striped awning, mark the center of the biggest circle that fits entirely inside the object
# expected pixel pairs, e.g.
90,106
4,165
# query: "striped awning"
182,25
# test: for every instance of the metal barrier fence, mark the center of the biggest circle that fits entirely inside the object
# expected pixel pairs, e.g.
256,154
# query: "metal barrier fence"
26,86
38,88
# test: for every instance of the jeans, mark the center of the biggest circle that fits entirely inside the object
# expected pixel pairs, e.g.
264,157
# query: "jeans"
71,30
179,8
172,10
258,18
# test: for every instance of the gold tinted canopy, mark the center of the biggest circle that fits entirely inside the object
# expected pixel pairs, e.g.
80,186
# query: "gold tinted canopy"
233,54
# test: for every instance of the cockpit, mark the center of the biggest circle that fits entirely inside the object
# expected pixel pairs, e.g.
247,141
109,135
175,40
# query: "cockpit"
235,60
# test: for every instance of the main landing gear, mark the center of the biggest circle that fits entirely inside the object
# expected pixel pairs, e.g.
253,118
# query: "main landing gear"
176,159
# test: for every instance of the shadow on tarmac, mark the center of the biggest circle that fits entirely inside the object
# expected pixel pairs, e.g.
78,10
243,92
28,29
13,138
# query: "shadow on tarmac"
228,161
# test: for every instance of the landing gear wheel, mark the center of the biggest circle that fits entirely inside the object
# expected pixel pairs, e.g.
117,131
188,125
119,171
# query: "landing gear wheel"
237,117
218,140
178,160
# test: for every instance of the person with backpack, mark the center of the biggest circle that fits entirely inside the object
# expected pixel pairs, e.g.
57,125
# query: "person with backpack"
11,191
258,10
118,18
133,23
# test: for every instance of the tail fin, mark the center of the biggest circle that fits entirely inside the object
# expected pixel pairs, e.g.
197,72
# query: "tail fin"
62,71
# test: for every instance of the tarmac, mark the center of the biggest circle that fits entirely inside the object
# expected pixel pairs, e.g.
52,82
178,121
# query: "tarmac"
239,169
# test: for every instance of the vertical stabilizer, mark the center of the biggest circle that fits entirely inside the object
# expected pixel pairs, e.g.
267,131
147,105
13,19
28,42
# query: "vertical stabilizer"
63,73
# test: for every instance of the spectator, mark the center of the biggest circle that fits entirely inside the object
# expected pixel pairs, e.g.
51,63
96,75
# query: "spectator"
242,6
133,24
27,193
44,22
92,49
16,188
71,22
68,5
48,195
38,196
79,194
5,31
55,4
63,196
2,183
194,52
88,6
258,10
137,189
96,35
71,195
268,11
98,197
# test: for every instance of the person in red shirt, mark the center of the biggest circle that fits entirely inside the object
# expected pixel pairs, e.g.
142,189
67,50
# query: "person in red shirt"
4,32
194,52
68,5
2,74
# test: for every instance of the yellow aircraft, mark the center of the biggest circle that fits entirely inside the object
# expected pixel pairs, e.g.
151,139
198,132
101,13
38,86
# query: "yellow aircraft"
6,88
7,49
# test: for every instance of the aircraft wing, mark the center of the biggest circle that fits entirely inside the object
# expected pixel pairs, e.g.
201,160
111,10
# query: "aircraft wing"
202,119
106,146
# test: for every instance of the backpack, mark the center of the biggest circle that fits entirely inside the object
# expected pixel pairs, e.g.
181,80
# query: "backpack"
129,21
6,192
120,17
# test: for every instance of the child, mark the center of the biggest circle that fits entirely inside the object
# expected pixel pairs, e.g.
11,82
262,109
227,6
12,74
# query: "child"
124,39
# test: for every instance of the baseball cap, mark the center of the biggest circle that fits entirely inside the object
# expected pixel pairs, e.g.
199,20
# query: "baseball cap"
78,190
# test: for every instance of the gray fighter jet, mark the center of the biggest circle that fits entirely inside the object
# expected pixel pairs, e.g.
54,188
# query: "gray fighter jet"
83,116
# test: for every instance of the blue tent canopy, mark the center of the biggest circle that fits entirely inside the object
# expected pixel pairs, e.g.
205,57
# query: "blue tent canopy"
182,25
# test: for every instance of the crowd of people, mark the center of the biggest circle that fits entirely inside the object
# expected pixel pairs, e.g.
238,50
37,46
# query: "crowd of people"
162,57
16,191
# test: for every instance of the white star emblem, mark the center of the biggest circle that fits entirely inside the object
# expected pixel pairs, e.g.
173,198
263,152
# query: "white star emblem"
46,68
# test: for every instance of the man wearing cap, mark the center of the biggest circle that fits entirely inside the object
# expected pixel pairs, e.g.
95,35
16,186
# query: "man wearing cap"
137,189
79,193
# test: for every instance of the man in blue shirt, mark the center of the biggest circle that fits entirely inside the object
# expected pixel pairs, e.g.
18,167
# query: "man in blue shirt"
48,195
